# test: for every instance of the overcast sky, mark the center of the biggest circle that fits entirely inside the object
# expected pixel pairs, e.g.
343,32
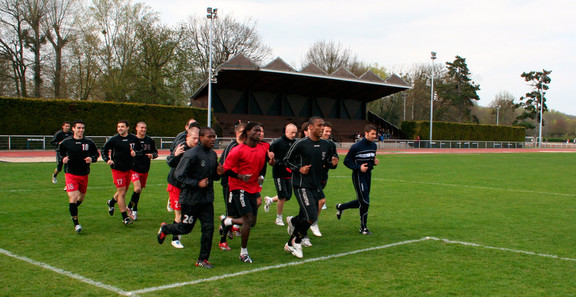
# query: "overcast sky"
500,39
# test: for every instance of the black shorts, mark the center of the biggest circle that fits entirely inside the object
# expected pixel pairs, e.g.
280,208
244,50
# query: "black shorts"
244,202
230,208
308,201
283,188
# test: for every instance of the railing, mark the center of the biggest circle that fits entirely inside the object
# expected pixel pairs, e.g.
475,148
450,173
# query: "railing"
42,142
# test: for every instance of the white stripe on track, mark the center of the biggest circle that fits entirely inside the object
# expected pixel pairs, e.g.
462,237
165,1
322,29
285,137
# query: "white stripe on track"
65,273
467,186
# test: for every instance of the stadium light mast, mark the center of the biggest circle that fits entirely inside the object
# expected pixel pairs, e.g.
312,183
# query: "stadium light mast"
497,114
212,14
541,110
433,57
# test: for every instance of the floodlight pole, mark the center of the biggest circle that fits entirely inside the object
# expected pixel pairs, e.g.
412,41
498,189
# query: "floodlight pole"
433,57
497,114
212,14
541,110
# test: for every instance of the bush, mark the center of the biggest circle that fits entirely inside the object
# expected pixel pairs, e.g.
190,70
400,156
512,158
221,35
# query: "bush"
457,131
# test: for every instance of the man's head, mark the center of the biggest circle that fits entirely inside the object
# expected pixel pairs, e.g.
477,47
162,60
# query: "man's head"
78,127
189,122
290,131
207,137
123,127
370,133
327,131
315,127
192,137
65,126
141,129
304,130
252,132
238,130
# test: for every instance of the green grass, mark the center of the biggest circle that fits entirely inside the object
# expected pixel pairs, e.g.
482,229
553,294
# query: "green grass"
521,202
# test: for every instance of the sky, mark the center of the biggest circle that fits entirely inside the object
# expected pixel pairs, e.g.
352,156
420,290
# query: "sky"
500,39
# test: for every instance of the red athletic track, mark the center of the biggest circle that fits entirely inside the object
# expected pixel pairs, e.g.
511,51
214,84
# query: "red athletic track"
49,156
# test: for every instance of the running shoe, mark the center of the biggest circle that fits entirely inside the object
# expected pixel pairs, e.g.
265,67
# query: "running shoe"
161,236
245,259
54,179
315,230
78,229
204,263
338,211
290,228
324,206
279,222
267,203
168,207
288,248
130,213
110,208
127,221
297,249
177,244
134,215
365,231
306,242
224,246
236,229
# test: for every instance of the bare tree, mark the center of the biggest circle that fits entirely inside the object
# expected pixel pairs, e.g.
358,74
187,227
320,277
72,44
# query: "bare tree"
329,56
34,13
503,106
12,45
59,31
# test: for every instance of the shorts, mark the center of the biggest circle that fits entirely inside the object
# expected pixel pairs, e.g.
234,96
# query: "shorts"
121,178
142,177
231,210
76,183
308,201
283,188
174,194
244,202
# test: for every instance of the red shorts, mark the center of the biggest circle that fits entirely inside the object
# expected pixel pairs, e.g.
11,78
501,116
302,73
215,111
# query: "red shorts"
121,178
174,194
76,183
142,177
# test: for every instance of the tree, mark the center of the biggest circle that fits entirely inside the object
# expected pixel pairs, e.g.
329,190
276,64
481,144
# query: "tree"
12,45
503,106
34,14
457,91
533,100
329,56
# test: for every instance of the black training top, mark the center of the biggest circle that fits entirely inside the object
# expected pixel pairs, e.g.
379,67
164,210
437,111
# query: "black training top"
142,162
196,164
77,150
59,136
280,147
308,152
121,147
229,147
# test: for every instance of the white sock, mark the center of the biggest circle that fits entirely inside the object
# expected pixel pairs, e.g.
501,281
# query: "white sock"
228,221
279,217
243,251
315,223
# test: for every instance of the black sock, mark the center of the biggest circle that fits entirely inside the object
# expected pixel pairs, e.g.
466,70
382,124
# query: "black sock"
112,201
134,201
124,215
73,207
79,202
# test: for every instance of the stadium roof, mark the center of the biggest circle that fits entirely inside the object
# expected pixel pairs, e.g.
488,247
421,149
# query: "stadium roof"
279,77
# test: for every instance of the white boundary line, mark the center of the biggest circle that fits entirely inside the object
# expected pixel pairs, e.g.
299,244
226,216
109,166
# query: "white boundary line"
224,276
467,186
65,273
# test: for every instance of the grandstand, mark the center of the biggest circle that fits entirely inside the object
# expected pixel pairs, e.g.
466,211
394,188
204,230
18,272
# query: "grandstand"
277,94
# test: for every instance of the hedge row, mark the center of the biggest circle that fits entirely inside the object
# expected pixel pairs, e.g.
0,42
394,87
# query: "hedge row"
456,131
44,117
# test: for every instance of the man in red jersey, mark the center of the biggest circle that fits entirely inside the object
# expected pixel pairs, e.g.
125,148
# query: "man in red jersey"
244,166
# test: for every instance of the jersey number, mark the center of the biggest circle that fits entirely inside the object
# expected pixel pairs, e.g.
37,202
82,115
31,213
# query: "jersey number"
85,146
188,219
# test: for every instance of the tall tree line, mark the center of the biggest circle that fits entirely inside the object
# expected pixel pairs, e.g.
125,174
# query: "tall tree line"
114,50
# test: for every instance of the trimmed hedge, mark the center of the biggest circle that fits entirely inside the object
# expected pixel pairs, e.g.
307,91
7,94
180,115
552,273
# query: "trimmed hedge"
20,116
457,131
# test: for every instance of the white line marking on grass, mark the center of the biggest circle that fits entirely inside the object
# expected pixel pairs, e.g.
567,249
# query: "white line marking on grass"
468,186
214,278
502,249
65,273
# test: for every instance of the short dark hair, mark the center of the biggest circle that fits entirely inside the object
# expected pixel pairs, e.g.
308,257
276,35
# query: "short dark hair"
327,124
125,122
314,119
65,122
189,120
205,130
369,128
76,122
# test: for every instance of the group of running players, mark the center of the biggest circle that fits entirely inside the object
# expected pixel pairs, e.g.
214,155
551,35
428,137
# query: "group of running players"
300,166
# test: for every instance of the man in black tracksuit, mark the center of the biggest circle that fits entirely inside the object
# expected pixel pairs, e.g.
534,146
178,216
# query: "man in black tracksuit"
196,172
307,159
361,158
141,167
58,137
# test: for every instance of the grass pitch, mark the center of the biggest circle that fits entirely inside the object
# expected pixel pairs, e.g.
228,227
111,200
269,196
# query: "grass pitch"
443,224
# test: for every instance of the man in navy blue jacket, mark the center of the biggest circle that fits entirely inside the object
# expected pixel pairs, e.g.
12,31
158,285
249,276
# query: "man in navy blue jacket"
361,158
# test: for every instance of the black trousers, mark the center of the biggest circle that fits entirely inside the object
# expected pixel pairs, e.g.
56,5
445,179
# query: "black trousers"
190,214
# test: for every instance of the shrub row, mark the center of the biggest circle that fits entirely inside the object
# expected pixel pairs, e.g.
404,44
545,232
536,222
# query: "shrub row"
21,116
457,131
